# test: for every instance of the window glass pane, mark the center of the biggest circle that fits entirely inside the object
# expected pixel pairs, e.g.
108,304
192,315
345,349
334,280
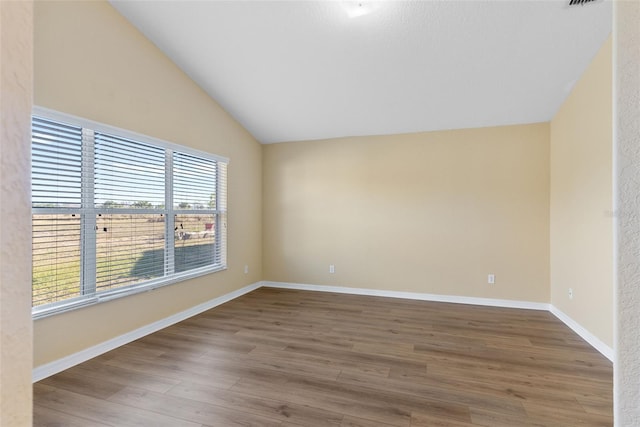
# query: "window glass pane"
194,182
129,249
56,162
195,238
56,258
128,174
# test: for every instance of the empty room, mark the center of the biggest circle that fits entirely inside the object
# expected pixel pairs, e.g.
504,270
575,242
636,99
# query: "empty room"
319,213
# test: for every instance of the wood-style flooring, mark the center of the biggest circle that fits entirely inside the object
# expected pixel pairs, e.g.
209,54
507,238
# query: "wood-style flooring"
296,358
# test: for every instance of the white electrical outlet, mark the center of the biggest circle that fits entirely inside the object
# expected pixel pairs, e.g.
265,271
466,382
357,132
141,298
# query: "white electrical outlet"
491,279
332,268
246,269
570,293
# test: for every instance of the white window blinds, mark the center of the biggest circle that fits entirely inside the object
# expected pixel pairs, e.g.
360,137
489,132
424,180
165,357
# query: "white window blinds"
128,174
115,213
56,171
198,186
56,182
194,182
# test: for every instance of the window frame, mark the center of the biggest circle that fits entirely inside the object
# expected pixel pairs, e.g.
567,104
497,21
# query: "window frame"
88,212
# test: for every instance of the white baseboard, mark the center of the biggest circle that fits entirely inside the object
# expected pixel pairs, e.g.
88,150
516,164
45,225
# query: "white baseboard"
594,341
413,295
46,370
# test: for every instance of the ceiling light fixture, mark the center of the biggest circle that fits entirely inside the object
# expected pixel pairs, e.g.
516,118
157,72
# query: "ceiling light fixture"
355,9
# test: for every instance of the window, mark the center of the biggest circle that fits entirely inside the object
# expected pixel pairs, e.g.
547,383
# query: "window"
114,212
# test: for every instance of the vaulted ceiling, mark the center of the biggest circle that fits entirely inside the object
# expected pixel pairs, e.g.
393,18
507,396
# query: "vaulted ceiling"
301,70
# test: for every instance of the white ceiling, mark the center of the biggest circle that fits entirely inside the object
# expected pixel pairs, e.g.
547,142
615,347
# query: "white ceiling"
300,70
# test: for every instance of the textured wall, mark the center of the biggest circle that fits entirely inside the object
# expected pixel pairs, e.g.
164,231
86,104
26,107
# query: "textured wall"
16,71
430,212
627,175
581,227
91,62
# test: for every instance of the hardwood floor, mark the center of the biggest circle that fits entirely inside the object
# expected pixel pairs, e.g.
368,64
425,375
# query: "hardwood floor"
296,358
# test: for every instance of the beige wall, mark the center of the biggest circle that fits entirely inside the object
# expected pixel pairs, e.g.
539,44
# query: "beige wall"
581,201
16,72
430,212
90,62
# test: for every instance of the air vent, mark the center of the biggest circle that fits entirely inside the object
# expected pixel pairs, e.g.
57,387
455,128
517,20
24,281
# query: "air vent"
576,2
